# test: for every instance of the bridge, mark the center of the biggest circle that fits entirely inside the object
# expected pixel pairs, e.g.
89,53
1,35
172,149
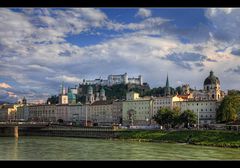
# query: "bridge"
12,128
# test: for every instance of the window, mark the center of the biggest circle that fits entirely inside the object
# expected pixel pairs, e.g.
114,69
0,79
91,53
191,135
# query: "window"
210,109
201,109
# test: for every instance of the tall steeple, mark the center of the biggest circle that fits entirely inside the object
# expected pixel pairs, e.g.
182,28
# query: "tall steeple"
62,87
167,88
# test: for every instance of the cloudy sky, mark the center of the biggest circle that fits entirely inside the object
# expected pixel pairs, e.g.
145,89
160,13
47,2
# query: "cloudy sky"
41,47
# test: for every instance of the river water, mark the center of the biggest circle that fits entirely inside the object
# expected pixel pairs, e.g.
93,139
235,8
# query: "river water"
61,148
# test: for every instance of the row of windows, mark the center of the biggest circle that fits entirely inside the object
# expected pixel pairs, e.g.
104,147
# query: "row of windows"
134,107
137,103
162,103
206,110
189,104
206,116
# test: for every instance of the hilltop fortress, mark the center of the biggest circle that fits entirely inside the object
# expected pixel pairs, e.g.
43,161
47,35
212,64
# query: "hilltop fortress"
115,79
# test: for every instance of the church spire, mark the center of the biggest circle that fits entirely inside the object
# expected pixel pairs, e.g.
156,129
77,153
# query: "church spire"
167,82
167,88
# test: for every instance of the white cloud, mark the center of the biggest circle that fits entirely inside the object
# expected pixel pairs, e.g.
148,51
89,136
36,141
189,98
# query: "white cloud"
226,22
37,56
144,13
68,79
7,96
4,85
147,24
212,12
12,95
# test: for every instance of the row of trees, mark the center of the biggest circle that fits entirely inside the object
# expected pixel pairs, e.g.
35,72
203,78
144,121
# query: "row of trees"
171,118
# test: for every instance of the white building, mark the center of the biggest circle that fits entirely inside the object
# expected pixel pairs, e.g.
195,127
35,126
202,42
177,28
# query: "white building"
101,113
117,112
164,102
95,82
132,95
115,79
42,113
136,111
77,113
205,110
22,113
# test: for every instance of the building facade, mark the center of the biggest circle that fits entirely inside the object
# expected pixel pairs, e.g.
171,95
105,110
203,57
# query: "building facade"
22,113
117,112
77,114
115,79
205,110
137,112
42,113
164,102
100,113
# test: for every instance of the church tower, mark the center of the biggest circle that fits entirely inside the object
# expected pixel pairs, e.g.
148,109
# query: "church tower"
102,94
71,97
24,101
90,96
167,88
212,87
63,97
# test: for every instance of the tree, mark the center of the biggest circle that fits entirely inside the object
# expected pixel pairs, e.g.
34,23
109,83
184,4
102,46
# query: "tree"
53,99
179,90
233,92
167,117
188,117
228,109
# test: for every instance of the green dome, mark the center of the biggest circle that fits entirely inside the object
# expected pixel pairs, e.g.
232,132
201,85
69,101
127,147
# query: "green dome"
90,90
211,79
102,91
71,96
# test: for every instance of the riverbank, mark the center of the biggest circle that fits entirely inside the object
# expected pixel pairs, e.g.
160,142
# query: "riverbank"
217,138
196,137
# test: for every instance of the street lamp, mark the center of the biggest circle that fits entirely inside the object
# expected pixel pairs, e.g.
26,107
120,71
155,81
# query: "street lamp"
147,121
86,117
198,120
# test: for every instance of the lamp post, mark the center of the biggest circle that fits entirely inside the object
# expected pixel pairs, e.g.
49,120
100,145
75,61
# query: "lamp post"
198,120
86,117
147,121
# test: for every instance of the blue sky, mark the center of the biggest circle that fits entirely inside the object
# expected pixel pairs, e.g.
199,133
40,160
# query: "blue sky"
41,47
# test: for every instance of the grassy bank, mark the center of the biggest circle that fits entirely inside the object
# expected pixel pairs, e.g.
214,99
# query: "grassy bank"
209,137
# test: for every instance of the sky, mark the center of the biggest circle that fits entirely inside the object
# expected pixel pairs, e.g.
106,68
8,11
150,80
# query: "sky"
41,47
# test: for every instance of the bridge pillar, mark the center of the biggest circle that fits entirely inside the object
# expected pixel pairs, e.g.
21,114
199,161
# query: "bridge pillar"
9,131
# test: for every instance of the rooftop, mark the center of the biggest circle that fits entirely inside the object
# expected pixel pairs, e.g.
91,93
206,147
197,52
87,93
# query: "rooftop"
101,102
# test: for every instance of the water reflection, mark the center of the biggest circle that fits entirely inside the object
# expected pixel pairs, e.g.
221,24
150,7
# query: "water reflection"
56,148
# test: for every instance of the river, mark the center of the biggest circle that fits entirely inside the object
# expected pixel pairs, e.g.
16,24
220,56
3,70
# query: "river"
60,148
